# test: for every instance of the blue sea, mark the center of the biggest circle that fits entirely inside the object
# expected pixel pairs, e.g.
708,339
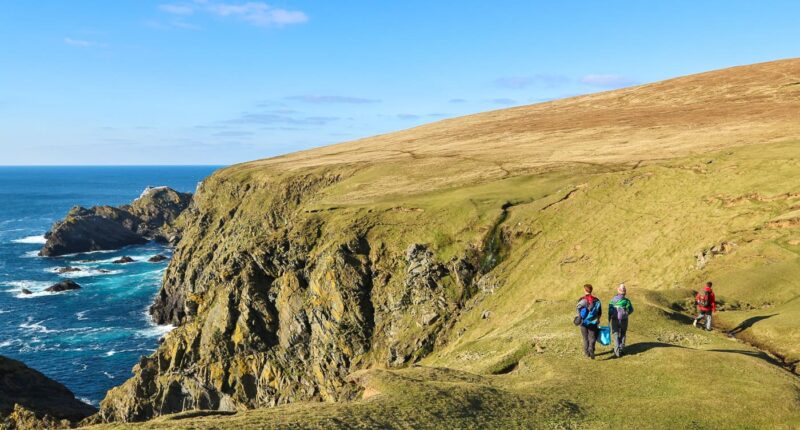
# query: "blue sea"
88,339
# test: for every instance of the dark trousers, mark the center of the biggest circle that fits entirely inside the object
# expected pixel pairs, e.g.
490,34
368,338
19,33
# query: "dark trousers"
619,328
589,339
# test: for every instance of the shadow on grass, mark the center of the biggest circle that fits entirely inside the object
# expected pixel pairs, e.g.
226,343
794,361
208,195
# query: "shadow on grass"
757,354
679,317
642,347
746,324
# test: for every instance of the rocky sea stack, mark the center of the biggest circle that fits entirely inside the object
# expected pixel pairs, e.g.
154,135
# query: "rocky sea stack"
149,217
30,400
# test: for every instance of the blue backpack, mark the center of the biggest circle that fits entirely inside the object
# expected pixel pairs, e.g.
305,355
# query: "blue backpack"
591,316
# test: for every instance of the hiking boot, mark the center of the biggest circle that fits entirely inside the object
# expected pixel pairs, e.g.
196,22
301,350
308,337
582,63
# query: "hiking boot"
617,352
694,323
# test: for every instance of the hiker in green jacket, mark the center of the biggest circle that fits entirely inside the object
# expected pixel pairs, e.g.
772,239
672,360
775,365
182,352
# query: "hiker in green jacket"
619,308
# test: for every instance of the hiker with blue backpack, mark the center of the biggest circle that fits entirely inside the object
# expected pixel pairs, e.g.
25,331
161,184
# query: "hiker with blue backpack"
589,312
619,308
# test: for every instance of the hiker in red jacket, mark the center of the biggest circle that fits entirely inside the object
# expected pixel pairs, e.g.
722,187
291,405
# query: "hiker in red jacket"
706,305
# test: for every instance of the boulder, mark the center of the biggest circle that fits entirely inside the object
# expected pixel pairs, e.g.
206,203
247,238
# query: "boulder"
123,260
157,258
26,291
67,269
149,217
65,285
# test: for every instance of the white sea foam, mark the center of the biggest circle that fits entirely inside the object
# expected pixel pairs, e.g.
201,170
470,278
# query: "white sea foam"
40,240
102,251
85,272
31,254
110,353
155,331
35,287
81,315
6,343
87,401
31,285
36,327
34,294
110,376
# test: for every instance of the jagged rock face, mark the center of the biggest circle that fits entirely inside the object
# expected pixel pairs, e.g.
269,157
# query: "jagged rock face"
276,304
150,217
158,207
30,400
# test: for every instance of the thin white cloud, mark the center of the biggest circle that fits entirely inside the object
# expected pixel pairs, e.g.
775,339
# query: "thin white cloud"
177,9
82,43
322,99
608,81
520,82
255,13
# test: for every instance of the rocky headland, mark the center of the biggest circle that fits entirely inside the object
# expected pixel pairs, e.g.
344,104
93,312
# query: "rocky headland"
31,401
149,217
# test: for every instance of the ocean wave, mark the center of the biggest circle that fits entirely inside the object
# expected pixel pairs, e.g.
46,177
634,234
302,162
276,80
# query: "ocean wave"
39,327
81,315
35,287
110,376
88,401
155,330
36,327
31,254
75,254
7,343
38,240
84,272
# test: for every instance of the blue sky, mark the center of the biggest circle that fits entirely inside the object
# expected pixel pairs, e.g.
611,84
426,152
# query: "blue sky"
224,81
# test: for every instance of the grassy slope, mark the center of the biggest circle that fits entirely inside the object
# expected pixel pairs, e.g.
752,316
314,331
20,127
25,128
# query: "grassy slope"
676,168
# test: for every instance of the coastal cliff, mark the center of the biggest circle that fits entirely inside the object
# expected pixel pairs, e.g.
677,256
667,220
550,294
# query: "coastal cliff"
462,244
277,303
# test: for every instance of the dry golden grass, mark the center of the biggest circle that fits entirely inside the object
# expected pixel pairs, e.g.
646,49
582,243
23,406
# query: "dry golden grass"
747,104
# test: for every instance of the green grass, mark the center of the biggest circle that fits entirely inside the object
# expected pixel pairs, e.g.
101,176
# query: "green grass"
521,367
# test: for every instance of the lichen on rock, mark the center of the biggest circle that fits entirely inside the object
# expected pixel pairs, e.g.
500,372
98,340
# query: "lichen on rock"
276,304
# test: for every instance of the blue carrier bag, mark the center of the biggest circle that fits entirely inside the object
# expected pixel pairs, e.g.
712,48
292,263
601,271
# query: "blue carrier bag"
605,335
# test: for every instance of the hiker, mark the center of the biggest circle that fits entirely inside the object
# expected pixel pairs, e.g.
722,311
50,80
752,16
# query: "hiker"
589,313
706,305
619,308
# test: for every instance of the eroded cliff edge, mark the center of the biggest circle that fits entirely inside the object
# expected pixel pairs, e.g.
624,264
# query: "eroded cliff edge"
278,302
